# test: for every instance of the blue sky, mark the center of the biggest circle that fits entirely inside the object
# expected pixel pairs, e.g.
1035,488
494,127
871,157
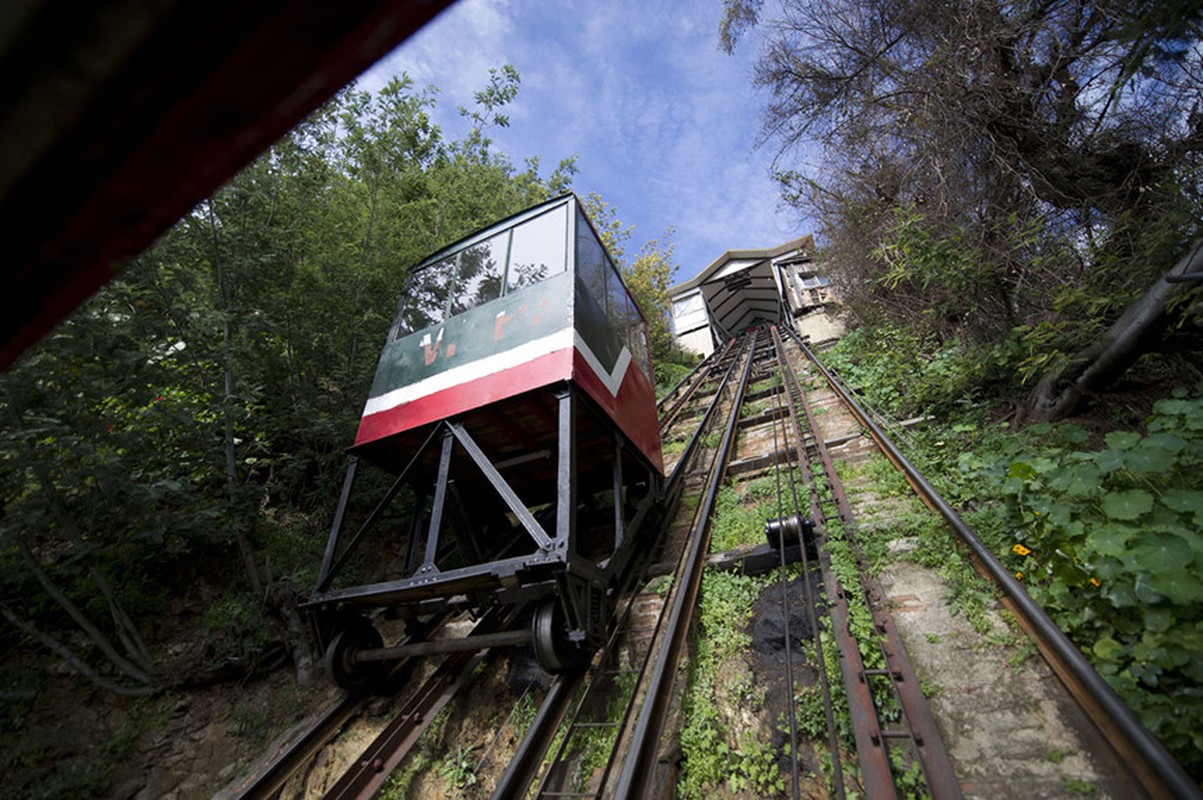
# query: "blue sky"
663,123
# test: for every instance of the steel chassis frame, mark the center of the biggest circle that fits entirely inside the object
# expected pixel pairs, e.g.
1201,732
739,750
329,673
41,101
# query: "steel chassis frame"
554,568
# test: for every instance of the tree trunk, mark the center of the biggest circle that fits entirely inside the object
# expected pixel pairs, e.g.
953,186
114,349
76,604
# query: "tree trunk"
65,653
227,358
124,665
1059,392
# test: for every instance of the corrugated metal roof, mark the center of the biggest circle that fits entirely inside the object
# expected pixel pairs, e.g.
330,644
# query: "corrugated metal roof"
740,288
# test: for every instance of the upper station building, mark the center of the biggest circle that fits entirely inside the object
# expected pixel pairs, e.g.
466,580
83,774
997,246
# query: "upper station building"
742,288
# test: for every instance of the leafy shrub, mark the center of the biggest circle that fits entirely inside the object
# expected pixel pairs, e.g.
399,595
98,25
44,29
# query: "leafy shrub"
735,523
237,630
904,373
669,375
1108,542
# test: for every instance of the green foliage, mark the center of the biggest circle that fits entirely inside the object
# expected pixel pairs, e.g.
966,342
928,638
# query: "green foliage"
524,713
19,687
1076,786
668,375
237,630
811,710
913,253
457,769
713,755
1108,541
737,521
648,279
903,372
756,770
203,398
1105,538
1057,755
936,219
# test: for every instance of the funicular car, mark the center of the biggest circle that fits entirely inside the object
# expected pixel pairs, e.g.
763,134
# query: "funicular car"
514,406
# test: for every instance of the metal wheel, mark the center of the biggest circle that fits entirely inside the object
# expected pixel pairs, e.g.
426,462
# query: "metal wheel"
554,651
340,656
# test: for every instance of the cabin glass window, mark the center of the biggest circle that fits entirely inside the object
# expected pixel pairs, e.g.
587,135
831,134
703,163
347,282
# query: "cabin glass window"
479,271
638,337
617,302
539,249
591,262
425,298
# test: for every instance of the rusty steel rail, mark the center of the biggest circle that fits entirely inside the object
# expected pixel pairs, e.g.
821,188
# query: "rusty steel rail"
694,380
532,751
929,747
635,773
1148,760
268,781
838,606
390,747
271,779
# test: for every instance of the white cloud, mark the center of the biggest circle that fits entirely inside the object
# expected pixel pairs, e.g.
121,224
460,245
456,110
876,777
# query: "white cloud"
663,123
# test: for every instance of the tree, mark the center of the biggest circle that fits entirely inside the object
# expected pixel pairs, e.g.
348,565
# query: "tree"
988,166
614,234
193,414
648,279
1061,390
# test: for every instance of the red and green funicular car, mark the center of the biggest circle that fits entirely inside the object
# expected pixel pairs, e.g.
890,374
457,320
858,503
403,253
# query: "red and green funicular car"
514,404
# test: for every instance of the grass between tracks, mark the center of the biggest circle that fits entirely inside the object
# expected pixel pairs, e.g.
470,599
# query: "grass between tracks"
720,746
720,738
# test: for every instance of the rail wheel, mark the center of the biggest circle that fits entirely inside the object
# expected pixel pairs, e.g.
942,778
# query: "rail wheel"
341,665
554,651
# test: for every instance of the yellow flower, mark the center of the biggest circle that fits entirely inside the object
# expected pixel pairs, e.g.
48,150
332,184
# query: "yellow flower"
1019,576
1095,581
1021,550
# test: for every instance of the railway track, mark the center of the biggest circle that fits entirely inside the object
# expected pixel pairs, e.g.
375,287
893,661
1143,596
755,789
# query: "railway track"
762,412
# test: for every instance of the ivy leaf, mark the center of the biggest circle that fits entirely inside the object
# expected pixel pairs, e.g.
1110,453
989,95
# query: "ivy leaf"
1127,505
1120,595
1169,442
1110,540
1161,552
1060,514
1145,591
1159,620
1073,434
1108,649
1146,673
1155,454
1178,585
1021,470
1110,460
1122,440
1184,501
1086,480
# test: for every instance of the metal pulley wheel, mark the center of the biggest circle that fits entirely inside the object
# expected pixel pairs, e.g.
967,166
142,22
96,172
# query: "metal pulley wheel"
787,530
